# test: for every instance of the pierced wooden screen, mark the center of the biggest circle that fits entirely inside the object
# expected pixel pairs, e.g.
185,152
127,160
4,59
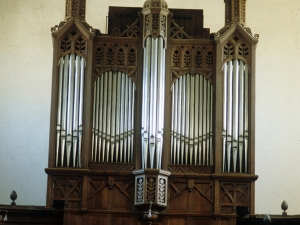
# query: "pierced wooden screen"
113,118
192,104
69,113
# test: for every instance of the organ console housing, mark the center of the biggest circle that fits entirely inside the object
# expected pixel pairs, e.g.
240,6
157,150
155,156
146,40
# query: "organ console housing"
154,121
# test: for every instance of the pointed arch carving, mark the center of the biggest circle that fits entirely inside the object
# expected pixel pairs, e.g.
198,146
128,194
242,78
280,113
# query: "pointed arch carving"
73,42
236,47
187,57
198,58
115,57
192,59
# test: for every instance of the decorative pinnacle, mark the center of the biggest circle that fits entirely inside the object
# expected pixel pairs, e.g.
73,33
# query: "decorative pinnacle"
75,9
235,12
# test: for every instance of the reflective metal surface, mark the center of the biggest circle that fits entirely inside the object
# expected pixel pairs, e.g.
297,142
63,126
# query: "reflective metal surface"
113,117
69,111
235,116
192,98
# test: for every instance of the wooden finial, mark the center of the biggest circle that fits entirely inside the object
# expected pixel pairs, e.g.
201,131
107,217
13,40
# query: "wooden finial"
235,12
75,9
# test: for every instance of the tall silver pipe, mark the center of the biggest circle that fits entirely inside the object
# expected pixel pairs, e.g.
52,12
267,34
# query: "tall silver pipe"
161,99
108,116
126,120
58,124
64,108
241,113
183,102
179,118
246,69
201,103
173,124
192,122
113,116
101,119
196,130
129,128
132,120
76,106
118,121
81,89
104,125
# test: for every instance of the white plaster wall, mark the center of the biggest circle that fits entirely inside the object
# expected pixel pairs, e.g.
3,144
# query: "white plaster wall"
25,84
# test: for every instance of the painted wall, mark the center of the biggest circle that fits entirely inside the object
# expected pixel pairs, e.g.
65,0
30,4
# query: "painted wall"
25,86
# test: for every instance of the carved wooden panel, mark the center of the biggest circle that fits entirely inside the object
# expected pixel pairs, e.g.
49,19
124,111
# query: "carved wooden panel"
115,57
112,167
233,195
111,192
191,195
192,59
236,47
73,42
190,169
67,189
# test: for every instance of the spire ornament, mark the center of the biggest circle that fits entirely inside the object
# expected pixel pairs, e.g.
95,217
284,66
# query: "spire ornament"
235,12
235,15
75,9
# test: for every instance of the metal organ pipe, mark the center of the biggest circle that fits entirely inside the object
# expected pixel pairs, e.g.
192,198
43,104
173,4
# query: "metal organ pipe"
235,116
113,114
192,97
69,111
153,102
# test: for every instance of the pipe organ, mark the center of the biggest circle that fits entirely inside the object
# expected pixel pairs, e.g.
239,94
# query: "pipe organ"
153,122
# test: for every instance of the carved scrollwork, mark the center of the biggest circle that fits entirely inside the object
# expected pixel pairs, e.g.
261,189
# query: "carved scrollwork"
209,59
243,50
177,32
131,31
234,194
228,49
140,190
68,6
150,192
120,56
236,47
176,57
115,58
187,58
193,60
198,58
162,191
73,42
